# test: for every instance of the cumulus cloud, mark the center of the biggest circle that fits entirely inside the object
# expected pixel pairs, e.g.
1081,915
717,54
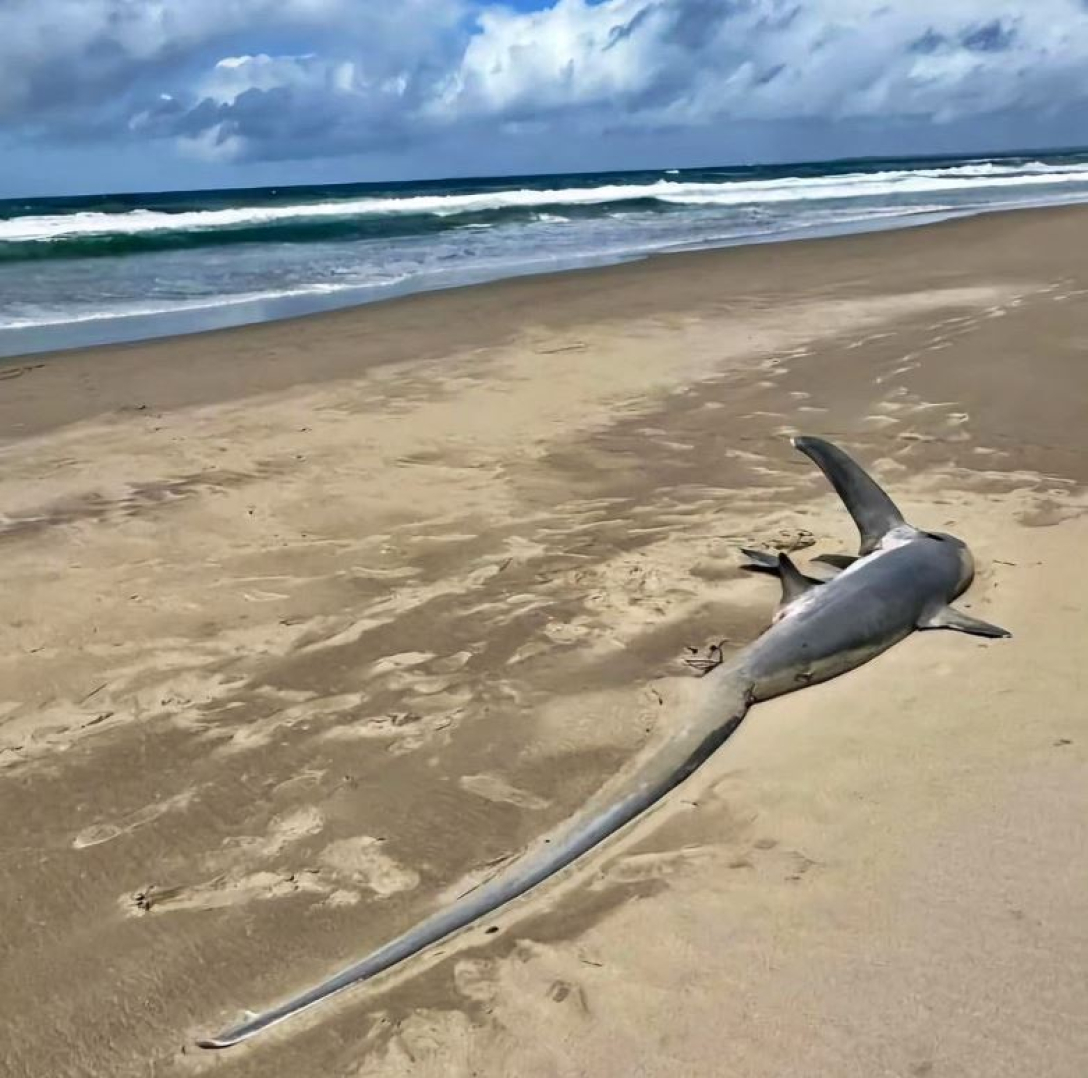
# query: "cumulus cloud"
97,67
267,79
56,55
694,61
289,106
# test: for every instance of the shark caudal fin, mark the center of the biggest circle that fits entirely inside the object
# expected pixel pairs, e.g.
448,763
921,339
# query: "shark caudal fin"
873,511
715,709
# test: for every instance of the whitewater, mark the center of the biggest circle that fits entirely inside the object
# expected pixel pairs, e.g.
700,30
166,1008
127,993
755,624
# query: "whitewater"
889,184
126,266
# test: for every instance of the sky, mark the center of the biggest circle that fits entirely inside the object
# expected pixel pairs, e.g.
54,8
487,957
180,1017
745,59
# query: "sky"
120,95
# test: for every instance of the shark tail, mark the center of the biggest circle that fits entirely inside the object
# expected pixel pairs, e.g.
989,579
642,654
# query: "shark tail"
690,743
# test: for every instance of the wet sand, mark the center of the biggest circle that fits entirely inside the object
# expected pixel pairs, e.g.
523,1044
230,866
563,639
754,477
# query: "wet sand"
308,624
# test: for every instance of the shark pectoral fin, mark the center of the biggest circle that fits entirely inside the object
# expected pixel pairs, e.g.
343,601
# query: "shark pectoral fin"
873,511
949,617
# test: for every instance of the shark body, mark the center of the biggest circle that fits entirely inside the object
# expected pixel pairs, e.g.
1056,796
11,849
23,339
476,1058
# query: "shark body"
902,580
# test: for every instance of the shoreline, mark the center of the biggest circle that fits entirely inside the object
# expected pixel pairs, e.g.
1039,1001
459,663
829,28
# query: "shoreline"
128,375
213,317
309,625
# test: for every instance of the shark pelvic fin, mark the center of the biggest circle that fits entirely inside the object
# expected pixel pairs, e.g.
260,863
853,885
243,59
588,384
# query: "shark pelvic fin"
762,561
873,511
836,561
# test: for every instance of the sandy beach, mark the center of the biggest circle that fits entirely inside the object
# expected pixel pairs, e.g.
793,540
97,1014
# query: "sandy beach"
307,625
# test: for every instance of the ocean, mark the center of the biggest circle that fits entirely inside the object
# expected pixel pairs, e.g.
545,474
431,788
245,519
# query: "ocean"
87,270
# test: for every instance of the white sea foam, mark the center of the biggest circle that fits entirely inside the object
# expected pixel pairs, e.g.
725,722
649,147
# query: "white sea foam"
975,181
46,317
970,179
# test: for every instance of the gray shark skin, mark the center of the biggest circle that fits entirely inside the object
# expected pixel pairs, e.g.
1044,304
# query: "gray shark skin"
903,579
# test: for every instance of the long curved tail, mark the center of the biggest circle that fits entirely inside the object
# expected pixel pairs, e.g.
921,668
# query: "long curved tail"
690,743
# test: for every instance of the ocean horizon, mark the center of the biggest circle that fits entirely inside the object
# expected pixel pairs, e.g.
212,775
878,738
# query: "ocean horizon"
96,269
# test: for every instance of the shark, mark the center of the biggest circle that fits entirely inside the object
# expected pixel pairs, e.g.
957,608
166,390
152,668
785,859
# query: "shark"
902,580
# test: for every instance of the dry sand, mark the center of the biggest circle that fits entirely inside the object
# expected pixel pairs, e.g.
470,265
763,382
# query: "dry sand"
307,624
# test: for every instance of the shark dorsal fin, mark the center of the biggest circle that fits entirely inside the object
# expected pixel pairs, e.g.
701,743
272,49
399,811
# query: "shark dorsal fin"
873,511
794,582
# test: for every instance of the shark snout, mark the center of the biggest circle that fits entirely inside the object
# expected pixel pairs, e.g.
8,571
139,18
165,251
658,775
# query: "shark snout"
967,567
